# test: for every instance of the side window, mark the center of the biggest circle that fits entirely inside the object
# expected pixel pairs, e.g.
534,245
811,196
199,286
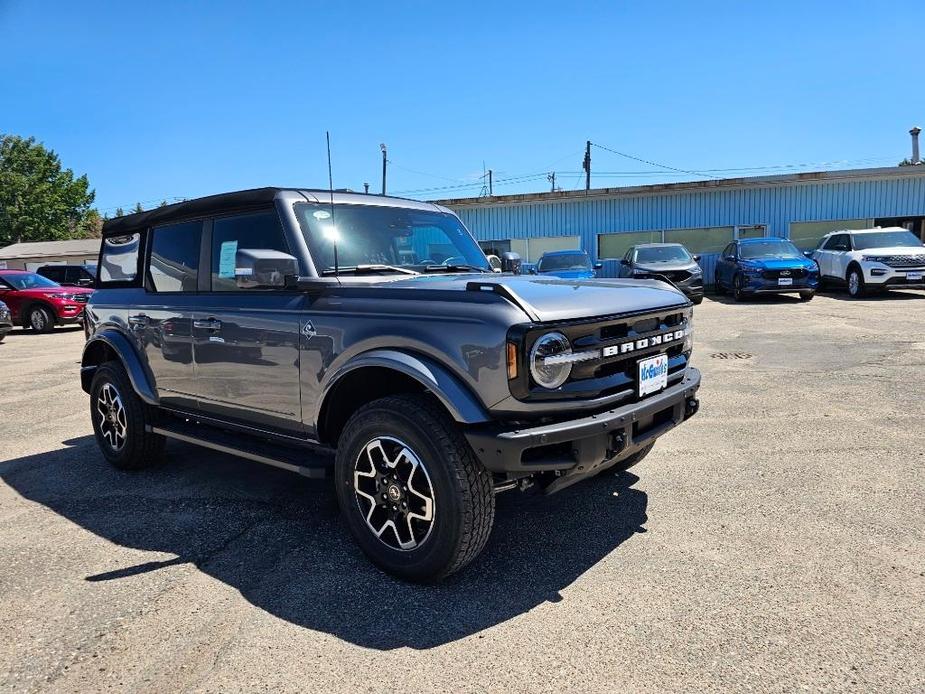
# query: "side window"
629,254
120,259
72,275
837,242
174,262
259,236
55,274
729,250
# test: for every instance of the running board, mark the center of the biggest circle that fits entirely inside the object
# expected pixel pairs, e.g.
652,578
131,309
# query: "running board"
283,457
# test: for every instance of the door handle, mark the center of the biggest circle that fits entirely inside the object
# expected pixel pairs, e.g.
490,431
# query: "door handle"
208,324
138,321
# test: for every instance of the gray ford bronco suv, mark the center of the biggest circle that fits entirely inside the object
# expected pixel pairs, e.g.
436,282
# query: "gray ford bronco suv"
283,325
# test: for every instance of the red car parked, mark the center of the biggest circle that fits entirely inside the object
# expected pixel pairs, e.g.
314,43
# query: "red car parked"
38,303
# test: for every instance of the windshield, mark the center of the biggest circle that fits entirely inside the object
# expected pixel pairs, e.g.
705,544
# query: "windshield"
566,261
885,239
393,236
28,280
663,254
769,249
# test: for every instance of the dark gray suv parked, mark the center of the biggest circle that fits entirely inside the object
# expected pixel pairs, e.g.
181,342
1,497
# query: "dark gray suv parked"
669,261
278,324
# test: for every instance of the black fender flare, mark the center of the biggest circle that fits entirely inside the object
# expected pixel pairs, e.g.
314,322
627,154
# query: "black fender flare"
109,342
461,403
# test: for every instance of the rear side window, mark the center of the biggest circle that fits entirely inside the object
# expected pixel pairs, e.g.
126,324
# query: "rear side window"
257,231
53,273
119,263
174,262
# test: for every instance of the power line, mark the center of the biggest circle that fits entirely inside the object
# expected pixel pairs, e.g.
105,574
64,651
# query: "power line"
653,163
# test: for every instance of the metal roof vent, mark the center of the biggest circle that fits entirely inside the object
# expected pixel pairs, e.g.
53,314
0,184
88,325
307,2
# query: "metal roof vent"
915,145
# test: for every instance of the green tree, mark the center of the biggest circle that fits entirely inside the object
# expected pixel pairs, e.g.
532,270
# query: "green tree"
138,208
39,201
120,212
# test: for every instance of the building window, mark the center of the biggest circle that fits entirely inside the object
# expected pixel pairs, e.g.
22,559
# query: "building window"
532,249
616,245
806,235
495,247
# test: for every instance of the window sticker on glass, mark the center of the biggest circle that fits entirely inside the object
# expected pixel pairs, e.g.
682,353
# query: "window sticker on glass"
226,259
321,214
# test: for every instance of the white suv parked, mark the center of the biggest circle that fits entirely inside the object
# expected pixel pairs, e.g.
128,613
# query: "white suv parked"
872,259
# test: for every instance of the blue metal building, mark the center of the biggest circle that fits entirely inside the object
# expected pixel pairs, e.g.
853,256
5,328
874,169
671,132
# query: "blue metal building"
703,215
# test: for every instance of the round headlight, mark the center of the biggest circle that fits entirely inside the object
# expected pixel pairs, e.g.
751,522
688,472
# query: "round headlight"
550,375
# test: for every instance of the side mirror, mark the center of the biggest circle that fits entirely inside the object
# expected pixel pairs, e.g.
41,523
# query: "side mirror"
598,266
261,267
511,262
624,261
495,263
808,254
696,257
729,257
85,282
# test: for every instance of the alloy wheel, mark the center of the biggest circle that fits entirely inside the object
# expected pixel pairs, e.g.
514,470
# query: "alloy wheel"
854,283
394,493
113,423
38,320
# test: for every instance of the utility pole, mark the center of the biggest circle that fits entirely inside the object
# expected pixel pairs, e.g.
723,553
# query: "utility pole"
552,179
490,191
384,162
586,165
366,188
486,176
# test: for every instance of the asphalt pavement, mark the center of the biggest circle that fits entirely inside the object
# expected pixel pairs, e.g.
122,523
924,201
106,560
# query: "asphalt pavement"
775,542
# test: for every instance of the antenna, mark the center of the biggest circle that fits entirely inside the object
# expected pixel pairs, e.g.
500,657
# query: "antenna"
332,237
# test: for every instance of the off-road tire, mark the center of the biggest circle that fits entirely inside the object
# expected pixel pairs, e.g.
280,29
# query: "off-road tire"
141,448
44,318
632,460
463,495
697,300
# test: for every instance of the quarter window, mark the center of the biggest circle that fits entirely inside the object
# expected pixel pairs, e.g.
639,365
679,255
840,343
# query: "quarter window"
837,242
174,263
258,231
120,259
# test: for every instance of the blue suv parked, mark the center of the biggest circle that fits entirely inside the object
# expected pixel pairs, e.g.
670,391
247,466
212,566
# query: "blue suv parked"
571,265
765,266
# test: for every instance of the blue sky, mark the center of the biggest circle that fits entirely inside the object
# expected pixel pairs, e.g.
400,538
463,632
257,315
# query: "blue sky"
167,100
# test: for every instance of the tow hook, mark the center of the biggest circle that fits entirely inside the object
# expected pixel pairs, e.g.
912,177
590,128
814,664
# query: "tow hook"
691,407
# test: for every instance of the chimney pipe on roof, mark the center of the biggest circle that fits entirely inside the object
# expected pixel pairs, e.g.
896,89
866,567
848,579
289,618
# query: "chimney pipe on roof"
915,144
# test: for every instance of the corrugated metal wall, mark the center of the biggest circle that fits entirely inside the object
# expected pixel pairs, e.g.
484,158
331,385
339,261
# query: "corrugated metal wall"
774,205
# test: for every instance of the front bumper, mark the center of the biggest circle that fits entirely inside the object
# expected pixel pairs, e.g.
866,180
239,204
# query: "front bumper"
760,285
882,275
584,446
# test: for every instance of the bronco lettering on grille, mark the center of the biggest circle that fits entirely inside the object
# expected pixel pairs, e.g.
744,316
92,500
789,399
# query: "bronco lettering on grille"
651,341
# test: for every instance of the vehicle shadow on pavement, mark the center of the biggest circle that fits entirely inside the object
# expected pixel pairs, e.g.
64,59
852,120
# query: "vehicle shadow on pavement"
277,539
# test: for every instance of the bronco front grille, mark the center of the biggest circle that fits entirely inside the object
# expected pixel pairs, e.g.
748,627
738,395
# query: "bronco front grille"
612,374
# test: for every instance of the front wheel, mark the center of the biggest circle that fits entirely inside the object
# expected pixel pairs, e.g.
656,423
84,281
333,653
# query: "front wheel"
411,491
856,287
807,296
40,319
738,288
697,300
717,285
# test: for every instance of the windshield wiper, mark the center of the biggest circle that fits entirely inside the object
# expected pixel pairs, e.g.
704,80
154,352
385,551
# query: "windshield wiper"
367,269
455,267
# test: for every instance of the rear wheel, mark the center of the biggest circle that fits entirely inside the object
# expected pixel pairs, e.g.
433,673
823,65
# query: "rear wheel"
40,319
807,296
856,286
119,421
411,491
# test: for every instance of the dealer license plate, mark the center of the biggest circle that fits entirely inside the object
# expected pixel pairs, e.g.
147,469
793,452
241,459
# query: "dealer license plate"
784,281
653,374
914,276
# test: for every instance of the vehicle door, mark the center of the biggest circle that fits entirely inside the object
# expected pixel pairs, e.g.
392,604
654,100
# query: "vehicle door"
163,317
246,335
828,255
9,296
725,265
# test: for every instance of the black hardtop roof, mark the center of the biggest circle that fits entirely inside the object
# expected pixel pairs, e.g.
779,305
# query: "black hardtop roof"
236,201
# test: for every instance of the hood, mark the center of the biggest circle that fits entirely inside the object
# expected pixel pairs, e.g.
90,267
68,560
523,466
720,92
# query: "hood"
673,266
894,250
779,263
554,299
569,274
51,291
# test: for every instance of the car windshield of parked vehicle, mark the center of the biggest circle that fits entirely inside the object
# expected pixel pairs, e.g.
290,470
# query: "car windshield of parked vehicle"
885,239
565,261
28,280
663,254
387,239
769,249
